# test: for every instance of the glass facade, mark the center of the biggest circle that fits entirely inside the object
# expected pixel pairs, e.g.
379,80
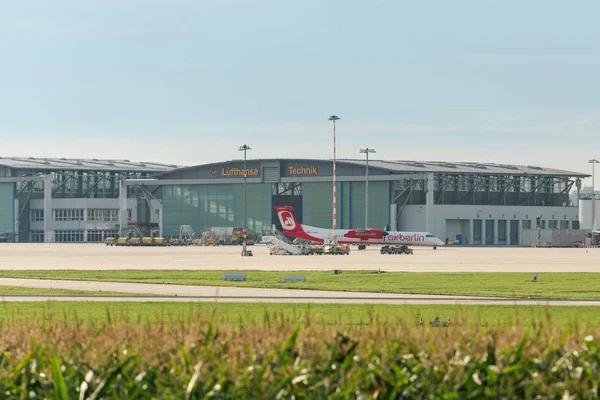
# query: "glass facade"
217,205
222,205
7,205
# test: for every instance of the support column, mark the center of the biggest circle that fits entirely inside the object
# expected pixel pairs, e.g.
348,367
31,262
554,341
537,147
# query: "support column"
471,232
48,217
496,224
520,230
85,219
122,207
428,201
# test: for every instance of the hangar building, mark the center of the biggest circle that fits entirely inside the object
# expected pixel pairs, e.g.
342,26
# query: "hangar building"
70,200
467,203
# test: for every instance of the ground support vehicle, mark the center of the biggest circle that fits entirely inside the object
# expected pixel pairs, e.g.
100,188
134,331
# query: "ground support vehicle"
313,249
396,250
337,249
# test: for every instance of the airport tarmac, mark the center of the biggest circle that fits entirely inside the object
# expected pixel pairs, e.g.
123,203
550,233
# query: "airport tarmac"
49,256
185,293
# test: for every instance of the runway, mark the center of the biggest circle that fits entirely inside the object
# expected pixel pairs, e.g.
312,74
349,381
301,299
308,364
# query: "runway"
184,293
81,256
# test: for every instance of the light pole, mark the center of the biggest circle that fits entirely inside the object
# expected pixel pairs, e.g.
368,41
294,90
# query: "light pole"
593,162
245,148
334,118
367,151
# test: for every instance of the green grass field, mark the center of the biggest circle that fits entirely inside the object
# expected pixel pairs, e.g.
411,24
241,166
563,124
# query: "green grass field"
513,285
18,290
255,313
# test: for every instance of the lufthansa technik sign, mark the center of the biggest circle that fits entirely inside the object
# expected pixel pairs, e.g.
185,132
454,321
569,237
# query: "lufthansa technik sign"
303,170
215,172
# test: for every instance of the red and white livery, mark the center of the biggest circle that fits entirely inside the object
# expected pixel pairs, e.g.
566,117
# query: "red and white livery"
291,227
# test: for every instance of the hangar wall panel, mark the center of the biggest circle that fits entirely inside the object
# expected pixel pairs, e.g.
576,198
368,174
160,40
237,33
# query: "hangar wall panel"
317,204
413,219
7,207
379,205
345,194
586,213
205,206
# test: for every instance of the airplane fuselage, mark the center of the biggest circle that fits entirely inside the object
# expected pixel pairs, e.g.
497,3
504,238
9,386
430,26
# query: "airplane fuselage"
351,236
292,227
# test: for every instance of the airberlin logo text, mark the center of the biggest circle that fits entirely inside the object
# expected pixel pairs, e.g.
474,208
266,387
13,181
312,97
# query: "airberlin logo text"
303,170
398,237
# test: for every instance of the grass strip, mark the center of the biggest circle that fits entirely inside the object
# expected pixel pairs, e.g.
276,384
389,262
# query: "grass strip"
254,313
574,286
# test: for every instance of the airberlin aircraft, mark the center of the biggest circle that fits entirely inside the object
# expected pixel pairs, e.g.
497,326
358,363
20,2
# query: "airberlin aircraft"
291,227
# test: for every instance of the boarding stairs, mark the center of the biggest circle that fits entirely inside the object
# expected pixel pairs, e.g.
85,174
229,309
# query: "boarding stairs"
132,229
278,242
186,232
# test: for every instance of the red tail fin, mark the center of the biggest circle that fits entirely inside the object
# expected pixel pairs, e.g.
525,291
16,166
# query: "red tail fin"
289,224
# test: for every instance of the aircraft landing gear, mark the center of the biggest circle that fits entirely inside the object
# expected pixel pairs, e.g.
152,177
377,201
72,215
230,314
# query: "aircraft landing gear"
435,247
362,246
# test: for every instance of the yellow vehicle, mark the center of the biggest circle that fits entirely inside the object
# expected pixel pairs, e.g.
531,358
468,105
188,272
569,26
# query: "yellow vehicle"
135,241
147,241
313,249
160,241
122,241
338,249
111,241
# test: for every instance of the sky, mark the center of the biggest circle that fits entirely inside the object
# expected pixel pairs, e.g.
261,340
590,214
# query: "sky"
189,81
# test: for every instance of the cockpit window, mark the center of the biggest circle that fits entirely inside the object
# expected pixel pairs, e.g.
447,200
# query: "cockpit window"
428,235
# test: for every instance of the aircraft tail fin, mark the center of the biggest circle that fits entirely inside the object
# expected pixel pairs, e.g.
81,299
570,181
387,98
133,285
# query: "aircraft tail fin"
289,223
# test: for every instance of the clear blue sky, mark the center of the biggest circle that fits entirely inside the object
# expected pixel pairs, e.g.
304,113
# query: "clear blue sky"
189,81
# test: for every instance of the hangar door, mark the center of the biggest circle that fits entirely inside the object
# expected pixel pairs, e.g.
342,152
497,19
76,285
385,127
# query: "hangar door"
7,209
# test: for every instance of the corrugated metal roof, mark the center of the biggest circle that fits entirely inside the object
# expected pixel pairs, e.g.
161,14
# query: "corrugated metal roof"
401,166
440,167
80,164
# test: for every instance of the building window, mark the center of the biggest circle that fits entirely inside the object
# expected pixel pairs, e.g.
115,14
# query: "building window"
68,236
543,224
103,215
37,215
564,224
129,214
36,236
553,224
62,215
526,224
96,236
575,224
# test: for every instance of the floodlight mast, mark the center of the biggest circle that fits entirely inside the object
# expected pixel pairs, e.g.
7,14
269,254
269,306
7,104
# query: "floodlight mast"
593,162
366,152
334,241
245,148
